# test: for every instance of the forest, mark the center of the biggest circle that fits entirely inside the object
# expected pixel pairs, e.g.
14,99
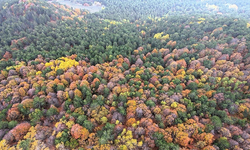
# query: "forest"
137,75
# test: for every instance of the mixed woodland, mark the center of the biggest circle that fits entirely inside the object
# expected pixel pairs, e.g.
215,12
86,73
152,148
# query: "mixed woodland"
138,75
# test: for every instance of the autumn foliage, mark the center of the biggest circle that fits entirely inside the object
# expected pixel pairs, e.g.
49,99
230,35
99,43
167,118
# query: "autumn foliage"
74,80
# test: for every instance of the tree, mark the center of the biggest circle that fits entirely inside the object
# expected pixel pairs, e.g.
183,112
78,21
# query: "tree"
39,102
78,131
222,143
216,122
51,111
209,128
192,86
150,103
80,119
125,66
35,116
200,46
106,92
207,64
25,144
59,71
178,88
12,124
3,124
88,125
20,130
162,144
23,110
77,101
73,143
121,110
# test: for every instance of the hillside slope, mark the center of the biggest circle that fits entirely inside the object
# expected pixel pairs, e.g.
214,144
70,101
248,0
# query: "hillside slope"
112,80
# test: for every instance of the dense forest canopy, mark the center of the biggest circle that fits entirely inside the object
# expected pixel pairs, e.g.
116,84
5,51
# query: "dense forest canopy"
138,74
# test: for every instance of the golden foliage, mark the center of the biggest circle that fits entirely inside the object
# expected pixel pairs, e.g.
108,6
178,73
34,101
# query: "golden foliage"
84,82
209,94
157,110
27,103
4,145
242,108
130,122
174,105
117,90
248,25
131,106
160,37
209,138
181,107
78,93
64,62
69,124
136,52
182,138
126,138
22,92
